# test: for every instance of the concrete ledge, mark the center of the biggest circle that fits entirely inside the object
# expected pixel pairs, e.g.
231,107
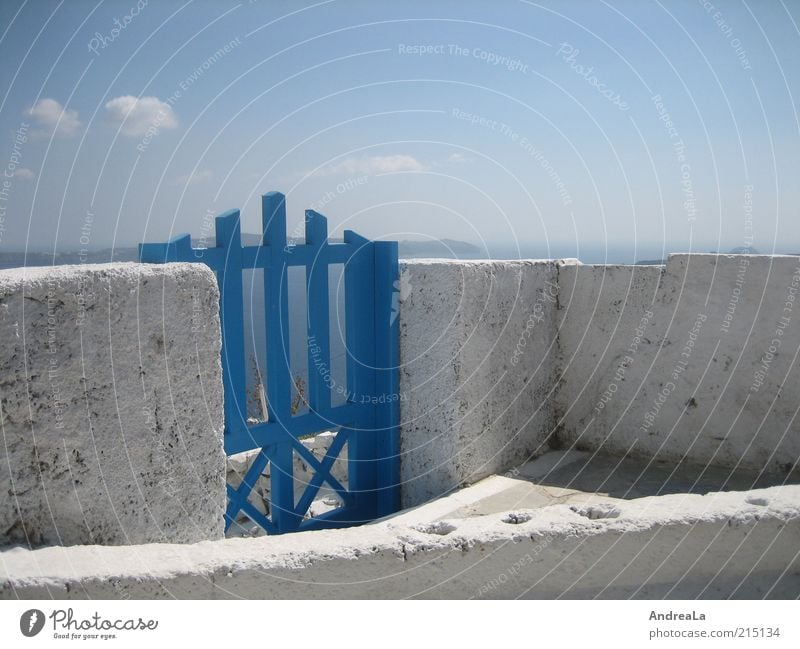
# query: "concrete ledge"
734,544
111,405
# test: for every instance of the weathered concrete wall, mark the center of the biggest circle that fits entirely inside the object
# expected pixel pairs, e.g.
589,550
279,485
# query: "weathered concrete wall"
111,405
697,359
736,544
477,353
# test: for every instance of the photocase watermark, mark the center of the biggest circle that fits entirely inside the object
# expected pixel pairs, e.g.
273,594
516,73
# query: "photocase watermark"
15,157
31,622
206,65
198,322
12,168
154,128
727,31
206,227
523,142
322,368
627,360
84,297
736,294
53,302
549,294
569,54
66,626
516,568
744,262
677,371
102,41
783,323
187,82
747,207
341,189
679,148
486,56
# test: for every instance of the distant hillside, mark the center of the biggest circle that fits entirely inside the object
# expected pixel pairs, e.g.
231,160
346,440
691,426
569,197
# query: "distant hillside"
19,259
741,250
437,248
408,249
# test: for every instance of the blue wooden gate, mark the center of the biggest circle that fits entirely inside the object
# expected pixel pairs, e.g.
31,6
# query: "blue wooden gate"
367,422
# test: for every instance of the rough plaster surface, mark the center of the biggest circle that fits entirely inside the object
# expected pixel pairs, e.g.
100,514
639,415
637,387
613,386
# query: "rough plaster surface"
111,401
478,362
670,361
728,544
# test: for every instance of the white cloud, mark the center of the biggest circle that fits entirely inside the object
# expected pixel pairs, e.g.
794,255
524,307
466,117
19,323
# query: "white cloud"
458,158
136,116
373,165
53,119
199,176
23,173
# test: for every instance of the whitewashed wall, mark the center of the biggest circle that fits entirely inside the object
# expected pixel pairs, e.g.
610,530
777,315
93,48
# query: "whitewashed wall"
111,401
500,361
478,355
696,360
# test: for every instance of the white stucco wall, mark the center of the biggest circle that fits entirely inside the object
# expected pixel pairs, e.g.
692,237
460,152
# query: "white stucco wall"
697,359
496,357
657,361
476,400
111,402
477,353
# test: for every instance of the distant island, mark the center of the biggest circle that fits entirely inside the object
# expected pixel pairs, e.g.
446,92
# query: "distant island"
740,250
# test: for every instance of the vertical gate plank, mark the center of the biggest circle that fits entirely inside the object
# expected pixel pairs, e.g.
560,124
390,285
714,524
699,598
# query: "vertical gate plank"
229,278
279,376
359,310
176,249
319,350
387,379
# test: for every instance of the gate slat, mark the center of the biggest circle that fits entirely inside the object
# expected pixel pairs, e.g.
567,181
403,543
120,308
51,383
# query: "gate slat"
387,385
319,348
279,376
229,278
238,497
322,474
359,310
175,249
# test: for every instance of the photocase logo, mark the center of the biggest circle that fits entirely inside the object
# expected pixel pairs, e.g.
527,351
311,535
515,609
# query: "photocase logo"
31,622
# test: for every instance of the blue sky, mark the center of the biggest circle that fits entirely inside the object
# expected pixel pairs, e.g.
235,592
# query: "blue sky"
643,126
